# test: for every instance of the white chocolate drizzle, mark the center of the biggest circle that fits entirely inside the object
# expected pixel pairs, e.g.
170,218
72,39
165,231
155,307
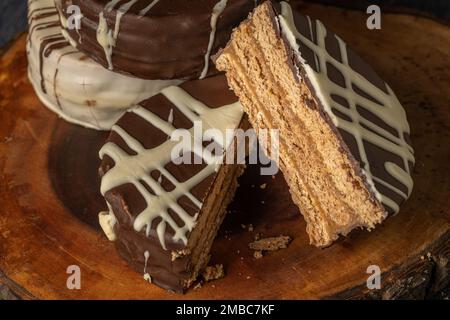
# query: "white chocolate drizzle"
170,118
147,276
106,38
123,9
107,222
111,5
137,168
64,32
390,111
217,11
144,11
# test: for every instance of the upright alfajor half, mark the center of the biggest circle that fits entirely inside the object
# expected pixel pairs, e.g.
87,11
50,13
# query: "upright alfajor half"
345,149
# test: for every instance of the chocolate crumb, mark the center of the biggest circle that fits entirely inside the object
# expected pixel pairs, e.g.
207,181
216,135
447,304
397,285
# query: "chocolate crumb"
213,272
198,286
180,254
271,244
258,254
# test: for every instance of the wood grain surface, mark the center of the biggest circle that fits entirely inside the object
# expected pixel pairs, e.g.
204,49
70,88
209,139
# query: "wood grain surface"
49,194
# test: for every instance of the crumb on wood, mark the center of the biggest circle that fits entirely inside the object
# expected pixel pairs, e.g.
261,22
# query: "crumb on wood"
213,272
258,254
198,285
250,228
263,186
271,243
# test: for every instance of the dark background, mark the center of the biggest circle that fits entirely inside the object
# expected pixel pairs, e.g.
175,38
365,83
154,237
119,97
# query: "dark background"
13,12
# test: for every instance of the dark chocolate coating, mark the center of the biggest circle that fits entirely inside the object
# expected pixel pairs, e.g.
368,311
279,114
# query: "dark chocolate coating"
169,42
127,203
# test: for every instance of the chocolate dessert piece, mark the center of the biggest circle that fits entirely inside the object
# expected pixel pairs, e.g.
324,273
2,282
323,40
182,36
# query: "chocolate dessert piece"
164,212
70,83
158,39
344,137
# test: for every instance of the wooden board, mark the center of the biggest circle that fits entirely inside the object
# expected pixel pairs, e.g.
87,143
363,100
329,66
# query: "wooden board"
49,194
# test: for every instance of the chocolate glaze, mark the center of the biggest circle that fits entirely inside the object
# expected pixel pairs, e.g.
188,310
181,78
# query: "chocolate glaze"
377,156
127,203
165,273
169,42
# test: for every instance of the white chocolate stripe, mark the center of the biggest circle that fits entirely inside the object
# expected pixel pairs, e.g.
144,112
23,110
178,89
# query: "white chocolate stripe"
120,13
217,11
110,5
106,38
146,274
144,11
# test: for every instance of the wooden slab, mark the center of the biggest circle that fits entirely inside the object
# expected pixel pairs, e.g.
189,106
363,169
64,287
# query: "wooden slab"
49,194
